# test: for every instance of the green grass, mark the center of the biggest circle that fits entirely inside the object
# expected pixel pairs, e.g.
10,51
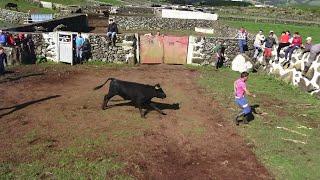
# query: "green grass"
25,6
113,2
253,28
285,107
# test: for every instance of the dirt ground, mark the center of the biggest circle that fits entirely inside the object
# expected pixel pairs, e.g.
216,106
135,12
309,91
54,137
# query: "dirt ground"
58,105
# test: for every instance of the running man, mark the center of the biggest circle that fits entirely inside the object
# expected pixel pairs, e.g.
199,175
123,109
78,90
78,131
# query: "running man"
240,90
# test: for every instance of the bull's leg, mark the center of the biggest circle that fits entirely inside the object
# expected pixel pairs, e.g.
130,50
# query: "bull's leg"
157,109
106,100
142,113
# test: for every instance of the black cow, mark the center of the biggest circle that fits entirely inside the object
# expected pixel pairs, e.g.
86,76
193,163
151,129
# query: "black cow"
11,6
139,94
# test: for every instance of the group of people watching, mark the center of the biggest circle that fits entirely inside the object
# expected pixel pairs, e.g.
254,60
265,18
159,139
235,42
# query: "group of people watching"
18,43
286,40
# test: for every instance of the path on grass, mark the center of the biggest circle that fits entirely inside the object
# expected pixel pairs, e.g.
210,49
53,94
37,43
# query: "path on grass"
193,142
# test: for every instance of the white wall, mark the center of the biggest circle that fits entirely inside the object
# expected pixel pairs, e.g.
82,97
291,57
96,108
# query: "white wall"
176,14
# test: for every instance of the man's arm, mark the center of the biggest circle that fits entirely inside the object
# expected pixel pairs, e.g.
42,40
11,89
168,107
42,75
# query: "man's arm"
249,93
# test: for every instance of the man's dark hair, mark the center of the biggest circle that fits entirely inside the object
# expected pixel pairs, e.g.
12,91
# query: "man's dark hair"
79,33
244,74
283,32
297,33
1,48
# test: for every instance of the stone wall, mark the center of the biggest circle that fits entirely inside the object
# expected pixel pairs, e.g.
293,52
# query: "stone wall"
123,52
201,50
46,45
13,17
78,22
127,10
158,23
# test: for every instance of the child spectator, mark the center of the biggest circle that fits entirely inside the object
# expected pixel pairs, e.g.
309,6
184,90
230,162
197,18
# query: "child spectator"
284,42
269,42
240,90
3,59
296,44
259,39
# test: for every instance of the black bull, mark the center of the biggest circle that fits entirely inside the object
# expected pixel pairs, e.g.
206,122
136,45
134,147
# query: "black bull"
139,94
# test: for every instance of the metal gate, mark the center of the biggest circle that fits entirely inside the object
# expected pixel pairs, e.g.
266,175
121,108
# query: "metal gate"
175,49
151,51
65,47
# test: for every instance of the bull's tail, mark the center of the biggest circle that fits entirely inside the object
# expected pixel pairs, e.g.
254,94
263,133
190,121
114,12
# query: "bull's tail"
98,87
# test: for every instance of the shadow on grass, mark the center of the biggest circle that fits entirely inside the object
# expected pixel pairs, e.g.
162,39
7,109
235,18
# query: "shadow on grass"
24,105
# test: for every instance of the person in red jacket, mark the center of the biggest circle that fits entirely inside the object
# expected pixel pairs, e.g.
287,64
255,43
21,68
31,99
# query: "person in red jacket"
296,44
284,42
10,40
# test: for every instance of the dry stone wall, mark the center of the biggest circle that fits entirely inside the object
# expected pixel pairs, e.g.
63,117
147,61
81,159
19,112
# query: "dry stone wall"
13,17
291,74
158,23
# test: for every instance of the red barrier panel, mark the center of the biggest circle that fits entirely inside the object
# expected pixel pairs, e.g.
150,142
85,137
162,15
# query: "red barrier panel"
151,49
175,49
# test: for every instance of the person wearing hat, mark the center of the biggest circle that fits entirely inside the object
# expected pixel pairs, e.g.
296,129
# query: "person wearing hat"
274,36
306,47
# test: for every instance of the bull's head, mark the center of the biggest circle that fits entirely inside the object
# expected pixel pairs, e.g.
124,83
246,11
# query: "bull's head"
159,92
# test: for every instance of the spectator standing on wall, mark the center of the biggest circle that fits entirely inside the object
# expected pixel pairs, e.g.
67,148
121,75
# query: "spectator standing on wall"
112,31
3,59
259,39
269,42
306,47
296,44
240,91
79,46
3,39
219,51
242,37
314,51
284,42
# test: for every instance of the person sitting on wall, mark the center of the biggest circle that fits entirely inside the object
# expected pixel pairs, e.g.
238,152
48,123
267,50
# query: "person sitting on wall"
306,47
296,44
269,43
314,51
79,47
112,31
259,39
3,39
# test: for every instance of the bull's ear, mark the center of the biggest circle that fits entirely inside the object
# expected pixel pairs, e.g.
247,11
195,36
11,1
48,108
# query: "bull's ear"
157,86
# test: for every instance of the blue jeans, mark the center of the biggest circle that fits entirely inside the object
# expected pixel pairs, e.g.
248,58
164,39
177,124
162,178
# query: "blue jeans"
242,44
289,52
243,104
79,52
112,34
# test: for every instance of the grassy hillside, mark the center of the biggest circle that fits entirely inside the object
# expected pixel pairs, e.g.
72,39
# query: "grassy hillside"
25,6
253,28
